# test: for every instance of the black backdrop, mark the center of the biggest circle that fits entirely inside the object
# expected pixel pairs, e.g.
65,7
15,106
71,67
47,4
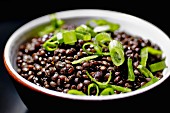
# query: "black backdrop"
15,13
155,11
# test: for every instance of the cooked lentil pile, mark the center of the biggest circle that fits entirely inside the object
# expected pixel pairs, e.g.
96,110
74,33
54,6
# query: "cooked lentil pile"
97,60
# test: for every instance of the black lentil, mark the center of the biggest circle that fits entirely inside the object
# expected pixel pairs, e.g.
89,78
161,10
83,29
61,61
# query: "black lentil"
53,70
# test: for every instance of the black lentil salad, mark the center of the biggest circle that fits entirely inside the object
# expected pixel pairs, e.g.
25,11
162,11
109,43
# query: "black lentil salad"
94,58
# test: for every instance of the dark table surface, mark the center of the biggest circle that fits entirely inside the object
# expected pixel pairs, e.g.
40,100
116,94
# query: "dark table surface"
10,102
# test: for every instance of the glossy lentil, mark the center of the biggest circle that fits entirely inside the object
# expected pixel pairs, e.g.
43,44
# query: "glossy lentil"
53,70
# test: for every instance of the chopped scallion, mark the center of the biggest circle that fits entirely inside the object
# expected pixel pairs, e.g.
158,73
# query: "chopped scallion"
51,44
101,28
144,56
116,52
101,85
75,92
84,59
107,91
97,48
85,36
145,71
69,37
131,76
154,51
120,88
157,66
100,22
152,81
101,38
93,85
83,29
60,37
115,43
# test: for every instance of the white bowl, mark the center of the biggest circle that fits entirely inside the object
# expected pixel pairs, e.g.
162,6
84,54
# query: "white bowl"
130,24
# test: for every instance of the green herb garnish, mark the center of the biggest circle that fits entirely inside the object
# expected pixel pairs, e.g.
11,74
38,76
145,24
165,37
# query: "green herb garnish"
107,85
103,24
93,85
145,71
116,52
152,81
107,91
75,92
131,76
69,37
144,54
96,47
158,66
102,38
84,59
51,44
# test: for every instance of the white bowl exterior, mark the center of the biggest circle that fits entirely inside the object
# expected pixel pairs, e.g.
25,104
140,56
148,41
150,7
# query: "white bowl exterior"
130,24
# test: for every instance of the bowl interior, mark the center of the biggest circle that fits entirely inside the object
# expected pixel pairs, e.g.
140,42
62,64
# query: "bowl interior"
130,24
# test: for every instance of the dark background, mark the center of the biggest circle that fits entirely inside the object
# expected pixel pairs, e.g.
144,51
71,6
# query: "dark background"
14,14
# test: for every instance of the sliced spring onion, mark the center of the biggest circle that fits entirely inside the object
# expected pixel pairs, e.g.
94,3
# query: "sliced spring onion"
114,27
93,85
96,47
60,37
131,75
154,51
106,53
109,79
144,56
107,91
75,92
116,52
51,44
84,47
145,71
84,59
115,43
157,66
50,48
101,85
96,22
101,28
152,81
101,22
117,56
106,84
69,37
101,38
83,29
120,88
85,36
79,35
